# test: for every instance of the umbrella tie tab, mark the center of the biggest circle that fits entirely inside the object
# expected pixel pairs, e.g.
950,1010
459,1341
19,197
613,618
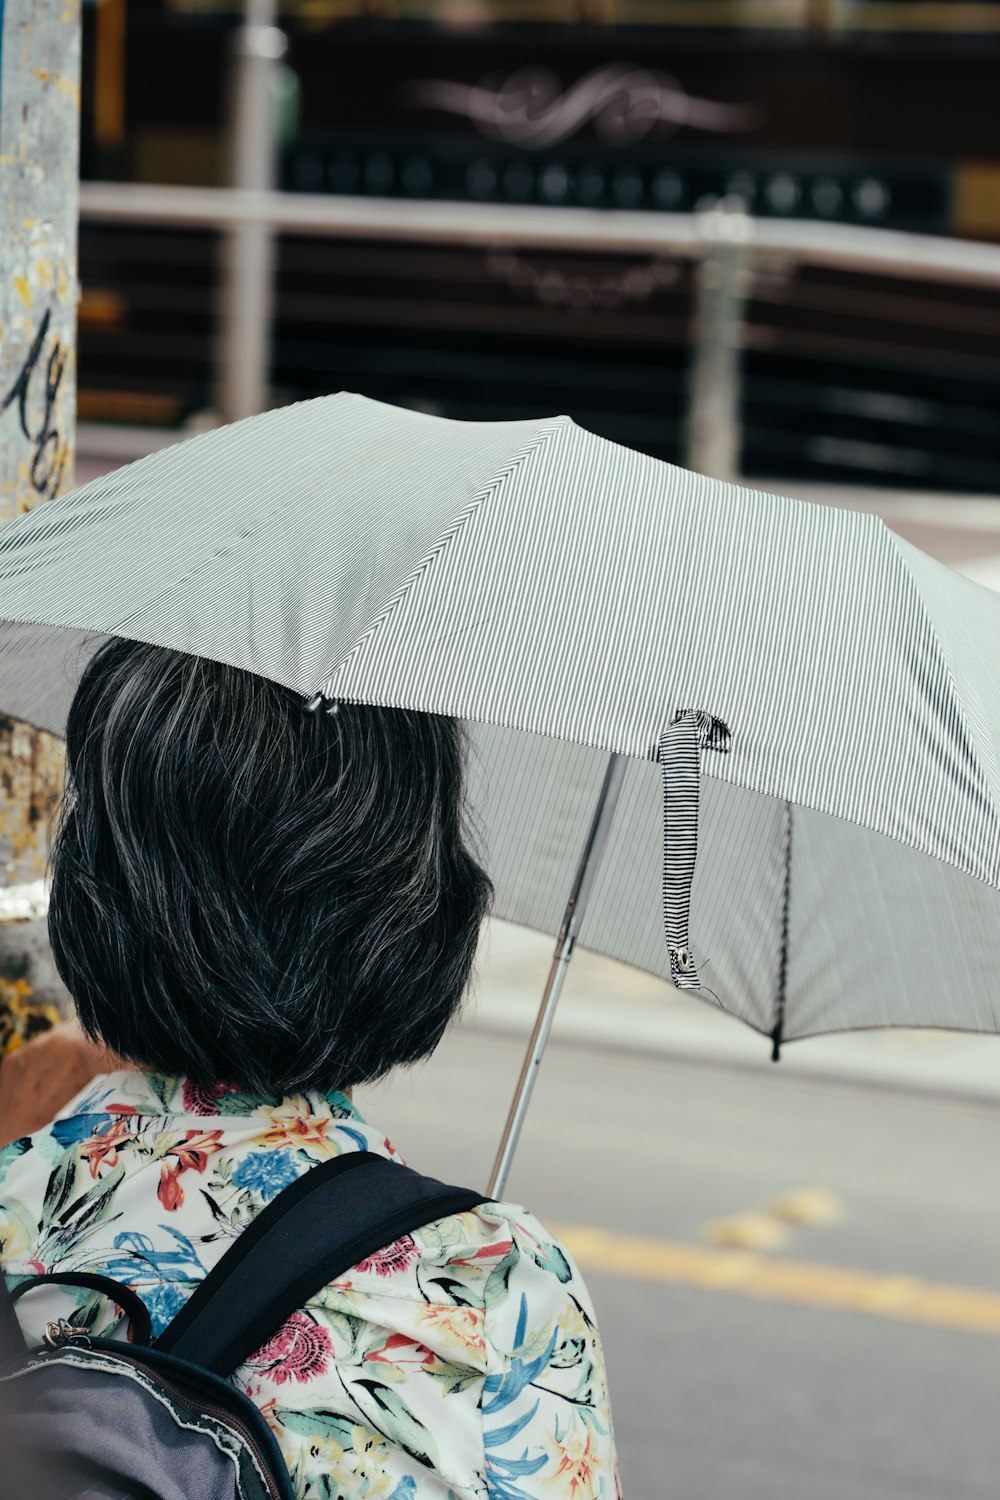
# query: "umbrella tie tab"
679,754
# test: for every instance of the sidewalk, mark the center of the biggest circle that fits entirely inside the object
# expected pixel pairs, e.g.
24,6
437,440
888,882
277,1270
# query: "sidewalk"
605,1005
608,1006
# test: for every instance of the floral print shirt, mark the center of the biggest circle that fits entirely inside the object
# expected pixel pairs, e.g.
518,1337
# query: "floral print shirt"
463,1361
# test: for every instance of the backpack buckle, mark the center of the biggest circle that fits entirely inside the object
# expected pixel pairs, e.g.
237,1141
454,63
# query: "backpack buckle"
60,1334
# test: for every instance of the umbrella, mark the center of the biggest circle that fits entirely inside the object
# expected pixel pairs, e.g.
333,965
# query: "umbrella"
755,742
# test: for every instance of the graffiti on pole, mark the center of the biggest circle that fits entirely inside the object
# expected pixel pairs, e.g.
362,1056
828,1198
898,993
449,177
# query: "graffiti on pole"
34,399
39,129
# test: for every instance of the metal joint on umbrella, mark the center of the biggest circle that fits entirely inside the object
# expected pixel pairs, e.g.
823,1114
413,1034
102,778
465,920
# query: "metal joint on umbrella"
317,701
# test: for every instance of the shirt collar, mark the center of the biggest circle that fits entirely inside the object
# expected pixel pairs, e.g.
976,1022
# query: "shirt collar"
128,1091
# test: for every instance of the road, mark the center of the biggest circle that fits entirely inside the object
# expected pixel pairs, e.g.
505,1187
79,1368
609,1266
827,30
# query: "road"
752,1370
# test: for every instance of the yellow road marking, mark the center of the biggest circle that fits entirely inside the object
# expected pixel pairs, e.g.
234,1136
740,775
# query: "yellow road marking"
811,1207
904,1299
747,1232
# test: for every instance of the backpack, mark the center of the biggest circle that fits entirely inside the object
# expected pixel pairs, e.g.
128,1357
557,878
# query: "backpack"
89,1418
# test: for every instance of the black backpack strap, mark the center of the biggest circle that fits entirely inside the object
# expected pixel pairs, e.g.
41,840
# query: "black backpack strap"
130,1302
333,1216
12,1342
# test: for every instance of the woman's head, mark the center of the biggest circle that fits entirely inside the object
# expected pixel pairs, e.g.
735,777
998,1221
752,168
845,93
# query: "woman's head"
244,891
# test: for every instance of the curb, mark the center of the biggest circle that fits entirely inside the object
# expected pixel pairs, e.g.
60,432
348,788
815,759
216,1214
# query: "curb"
960,1066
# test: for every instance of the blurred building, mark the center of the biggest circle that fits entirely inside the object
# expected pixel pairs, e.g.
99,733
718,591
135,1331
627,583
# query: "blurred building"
871,112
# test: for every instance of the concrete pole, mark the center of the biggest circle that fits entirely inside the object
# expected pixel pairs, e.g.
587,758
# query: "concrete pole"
713,424
247,289
39,155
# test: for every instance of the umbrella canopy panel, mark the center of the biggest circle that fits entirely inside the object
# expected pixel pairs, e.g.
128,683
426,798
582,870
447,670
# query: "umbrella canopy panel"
271,544
599,593
569,598
798,918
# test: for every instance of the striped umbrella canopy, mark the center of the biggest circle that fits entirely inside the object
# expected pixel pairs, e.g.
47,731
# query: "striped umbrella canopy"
793,715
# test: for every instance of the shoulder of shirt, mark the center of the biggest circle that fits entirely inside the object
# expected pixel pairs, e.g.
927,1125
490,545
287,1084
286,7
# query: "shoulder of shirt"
467,1249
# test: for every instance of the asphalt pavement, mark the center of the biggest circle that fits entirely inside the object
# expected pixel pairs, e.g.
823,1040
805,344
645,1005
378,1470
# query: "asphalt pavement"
796,1273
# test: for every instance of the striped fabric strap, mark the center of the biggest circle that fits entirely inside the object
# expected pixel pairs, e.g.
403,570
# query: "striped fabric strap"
680,761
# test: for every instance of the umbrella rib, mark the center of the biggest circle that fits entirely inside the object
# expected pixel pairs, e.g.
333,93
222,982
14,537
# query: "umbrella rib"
443,541
778,1030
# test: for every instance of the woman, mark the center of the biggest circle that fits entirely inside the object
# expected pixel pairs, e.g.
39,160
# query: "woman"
261,907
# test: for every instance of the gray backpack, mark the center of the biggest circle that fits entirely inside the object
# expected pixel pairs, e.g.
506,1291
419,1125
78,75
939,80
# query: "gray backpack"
86,1418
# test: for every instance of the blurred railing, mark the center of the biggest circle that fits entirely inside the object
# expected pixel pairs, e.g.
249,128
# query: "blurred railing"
726,244
853,247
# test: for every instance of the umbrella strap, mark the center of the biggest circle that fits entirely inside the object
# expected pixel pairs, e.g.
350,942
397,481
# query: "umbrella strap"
680,761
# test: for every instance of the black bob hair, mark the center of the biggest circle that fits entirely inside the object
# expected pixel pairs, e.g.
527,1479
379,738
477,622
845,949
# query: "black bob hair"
249,893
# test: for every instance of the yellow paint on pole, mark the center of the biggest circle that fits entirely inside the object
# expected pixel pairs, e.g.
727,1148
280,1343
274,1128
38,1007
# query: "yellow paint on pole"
900,1298
39,135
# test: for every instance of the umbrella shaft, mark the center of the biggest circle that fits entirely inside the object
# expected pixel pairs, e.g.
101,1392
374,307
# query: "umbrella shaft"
572,918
